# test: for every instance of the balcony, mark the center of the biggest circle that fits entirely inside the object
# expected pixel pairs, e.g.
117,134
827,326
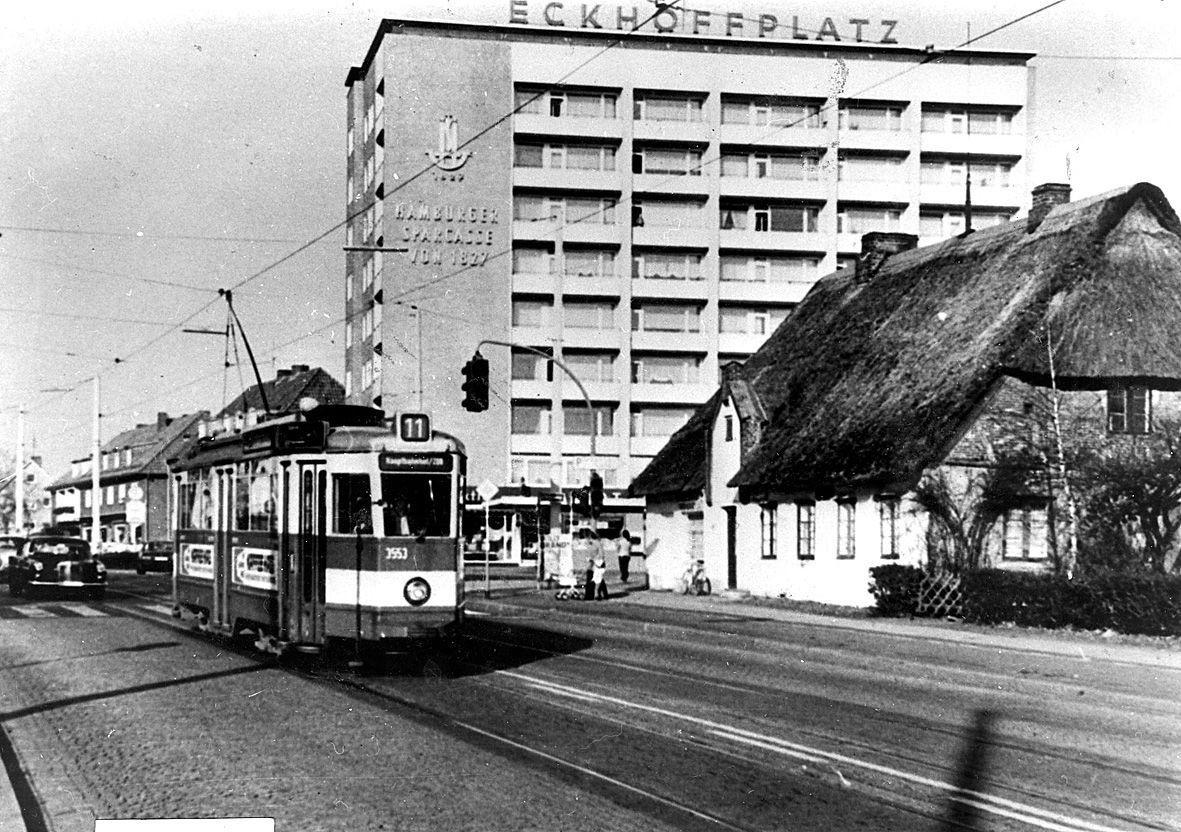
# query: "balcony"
534,335
670,341
581,446
895,192
982,196
531,389
770,135
667,288
688,393
875,139
647,446
585,338
752,291
531,443
610,286
599,391
538,125
536,283
1011,146
571,180
672,236
740,342
696,132
668,183
763,189
579,232
774,240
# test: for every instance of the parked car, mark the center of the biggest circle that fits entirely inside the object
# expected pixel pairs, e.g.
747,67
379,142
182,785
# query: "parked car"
9,548
156,555
54,561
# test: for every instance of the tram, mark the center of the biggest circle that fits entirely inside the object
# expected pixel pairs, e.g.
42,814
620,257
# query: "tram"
328,525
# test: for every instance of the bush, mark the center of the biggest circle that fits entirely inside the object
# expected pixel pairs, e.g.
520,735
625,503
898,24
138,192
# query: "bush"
895,589
1134,604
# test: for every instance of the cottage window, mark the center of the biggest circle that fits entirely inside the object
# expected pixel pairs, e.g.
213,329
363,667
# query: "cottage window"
846,528
888,512
1025,534
1129,410
729,428
805,531
767,514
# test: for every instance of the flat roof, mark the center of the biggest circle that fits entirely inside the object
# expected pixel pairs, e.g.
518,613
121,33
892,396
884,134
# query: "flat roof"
670,40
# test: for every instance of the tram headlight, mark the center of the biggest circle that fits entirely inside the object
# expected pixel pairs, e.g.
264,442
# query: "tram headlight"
417,591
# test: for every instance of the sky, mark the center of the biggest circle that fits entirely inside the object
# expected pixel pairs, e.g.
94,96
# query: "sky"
152,153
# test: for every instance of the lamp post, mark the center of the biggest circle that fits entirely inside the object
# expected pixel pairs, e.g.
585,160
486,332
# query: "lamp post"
19,515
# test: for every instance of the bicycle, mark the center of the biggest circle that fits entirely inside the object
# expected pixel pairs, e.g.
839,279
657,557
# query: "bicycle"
694,581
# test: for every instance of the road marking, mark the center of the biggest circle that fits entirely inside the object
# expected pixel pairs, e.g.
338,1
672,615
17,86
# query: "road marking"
159,609
34,612
1014,810
83,610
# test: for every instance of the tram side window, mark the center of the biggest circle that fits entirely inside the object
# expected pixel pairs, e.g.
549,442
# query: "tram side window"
254,498
196,504
352,504
416,504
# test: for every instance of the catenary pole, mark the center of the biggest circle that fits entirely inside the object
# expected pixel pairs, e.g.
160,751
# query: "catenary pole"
95,454
18,519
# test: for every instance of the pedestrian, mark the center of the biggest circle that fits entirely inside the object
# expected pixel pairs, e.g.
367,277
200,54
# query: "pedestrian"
599,576
623,549
591,551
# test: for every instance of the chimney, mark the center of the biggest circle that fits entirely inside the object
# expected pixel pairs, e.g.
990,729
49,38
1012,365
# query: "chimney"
300,368
162,420
1045,197
876,248
282,373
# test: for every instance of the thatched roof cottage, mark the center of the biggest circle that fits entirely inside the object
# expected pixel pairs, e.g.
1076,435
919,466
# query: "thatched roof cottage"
814,459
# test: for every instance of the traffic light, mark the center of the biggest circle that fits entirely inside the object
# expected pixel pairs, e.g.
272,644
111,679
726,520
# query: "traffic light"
476,386
596,491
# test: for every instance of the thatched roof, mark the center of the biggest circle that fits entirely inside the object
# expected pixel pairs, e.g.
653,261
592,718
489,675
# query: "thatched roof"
679,468
869,383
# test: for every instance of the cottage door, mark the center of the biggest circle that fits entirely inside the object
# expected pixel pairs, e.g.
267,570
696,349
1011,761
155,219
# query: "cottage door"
732,547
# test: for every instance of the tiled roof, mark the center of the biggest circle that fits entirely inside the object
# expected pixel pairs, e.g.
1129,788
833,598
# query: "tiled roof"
284,392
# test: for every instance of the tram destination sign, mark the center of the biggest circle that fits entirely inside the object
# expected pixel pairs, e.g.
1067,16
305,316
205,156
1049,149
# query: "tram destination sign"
394,461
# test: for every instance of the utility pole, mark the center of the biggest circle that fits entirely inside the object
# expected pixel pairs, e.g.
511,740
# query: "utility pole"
18,519
418,319
95,493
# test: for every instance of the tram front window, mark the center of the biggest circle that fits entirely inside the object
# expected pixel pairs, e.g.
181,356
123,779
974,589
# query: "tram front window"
352,508
416,505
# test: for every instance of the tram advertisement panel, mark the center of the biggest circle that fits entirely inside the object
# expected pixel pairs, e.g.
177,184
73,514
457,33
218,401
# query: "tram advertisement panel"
255,567
196,560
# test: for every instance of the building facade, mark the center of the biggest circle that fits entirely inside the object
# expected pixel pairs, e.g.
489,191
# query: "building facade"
646,218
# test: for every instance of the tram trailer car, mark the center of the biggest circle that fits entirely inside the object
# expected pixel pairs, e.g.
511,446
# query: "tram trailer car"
324,526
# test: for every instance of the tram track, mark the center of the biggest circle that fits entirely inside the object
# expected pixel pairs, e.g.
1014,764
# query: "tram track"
742,747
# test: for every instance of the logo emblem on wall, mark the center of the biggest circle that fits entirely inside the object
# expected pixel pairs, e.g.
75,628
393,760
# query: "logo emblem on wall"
448,156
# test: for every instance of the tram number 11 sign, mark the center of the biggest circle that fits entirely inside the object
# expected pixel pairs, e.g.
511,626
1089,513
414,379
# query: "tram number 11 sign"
414,427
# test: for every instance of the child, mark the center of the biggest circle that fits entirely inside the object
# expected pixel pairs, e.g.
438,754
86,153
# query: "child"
599,577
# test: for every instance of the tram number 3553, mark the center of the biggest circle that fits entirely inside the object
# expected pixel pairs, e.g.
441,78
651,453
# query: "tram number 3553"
396,553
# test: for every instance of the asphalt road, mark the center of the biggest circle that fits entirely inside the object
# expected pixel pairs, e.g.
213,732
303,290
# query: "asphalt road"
581,717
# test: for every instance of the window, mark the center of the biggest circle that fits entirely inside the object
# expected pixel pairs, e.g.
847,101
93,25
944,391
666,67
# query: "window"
649,107
196,503
127,456
254,497
743,321
870,169
563,104
416,505
659,317
528,155
1024,534
769,269
591,366
863,220
666,369
805,531
888,513
781,113
122,491
667,161
668,265
729,428
763,218
1129,410
954,172
348,287
767,514
577,419
538,208
530,419
533,260
846,530
978,122
588,315
594,211
665,212
951,223
367,374
659,421
110,495
866,117
531,313
590,262
348,335
563,156
88,495
528,366
348,382
352,504
771,166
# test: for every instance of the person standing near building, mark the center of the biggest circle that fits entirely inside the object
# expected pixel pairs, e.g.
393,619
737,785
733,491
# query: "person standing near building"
624,553
599,578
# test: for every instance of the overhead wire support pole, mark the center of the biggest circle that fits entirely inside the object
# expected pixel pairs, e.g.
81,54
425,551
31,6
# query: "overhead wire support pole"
228,294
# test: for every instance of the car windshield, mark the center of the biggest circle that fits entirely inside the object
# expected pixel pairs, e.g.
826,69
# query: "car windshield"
416,504
55,551
160,548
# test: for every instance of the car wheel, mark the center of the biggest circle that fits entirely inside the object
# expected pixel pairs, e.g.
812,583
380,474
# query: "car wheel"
98,594
15,589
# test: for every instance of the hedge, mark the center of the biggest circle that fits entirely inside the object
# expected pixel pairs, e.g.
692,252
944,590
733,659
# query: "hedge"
1134,604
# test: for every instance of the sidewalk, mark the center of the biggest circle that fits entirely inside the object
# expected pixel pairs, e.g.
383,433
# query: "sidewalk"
1161,653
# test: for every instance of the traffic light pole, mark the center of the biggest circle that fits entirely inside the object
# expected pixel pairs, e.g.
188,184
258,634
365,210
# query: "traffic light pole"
590,408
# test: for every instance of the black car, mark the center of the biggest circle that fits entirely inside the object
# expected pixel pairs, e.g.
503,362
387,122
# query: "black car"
63,562
155,555
9,549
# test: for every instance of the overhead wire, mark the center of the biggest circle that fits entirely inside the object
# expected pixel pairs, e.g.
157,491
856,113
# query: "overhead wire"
120,275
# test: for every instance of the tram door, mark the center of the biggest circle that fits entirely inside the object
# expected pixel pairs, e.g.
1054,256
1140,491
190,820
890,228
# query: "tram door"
222,547
307,597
